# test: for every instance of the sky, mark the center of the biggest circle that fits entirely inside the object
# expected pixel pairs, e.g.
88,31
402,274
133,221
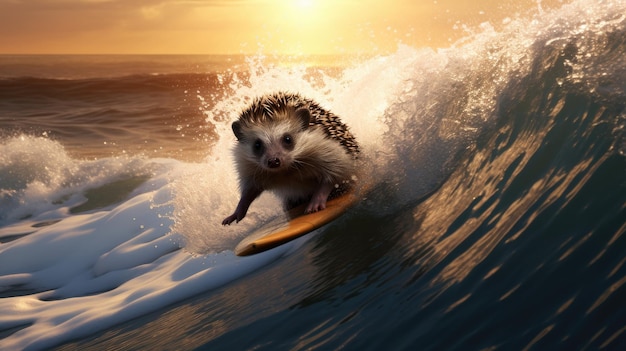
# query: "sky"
240,26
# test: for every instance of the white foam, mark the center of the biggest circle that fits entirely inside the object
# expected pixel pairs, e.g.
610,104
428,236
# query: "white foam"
93,270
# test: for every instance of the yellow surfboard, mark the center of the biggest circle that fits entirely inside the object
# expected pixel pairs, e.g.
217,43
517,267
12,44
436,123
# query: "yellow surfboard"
297,224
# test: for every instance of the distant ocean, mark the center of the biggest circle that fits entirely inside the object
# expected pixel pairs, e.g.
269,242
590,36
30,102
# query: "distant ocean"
497,219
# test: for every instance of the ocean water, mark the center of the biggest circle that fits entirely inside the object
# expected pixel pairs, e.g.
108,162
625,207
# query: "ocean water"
496,217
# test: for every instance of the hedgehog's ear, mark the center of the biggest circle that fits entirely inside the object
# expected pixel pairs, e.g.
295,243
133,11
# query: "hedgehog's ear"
304,116
237,130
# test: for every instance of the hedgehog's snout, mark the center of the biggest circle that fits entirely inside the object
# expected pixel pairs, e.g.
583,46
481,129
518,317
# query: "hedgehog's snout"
273,162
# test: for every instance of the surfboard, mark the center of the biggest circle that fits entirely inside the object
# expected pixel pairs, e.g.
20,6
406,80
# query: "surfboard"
295,225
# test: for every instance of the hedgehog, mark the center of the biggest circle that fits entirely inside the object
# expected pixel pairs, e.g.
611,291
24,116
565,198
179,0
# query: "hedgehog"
291,146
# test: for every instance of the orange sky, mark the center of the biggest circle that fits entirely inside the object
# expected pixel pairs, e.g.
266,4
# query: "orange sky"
239,26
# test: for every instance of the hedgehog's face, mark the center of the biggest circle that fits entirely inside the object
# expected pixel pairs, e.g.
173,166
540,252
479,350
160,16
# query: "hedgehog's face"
274,152
270,144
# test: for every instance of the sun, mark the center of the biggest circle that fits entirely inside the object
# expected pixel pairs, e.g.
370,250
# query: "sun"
304,4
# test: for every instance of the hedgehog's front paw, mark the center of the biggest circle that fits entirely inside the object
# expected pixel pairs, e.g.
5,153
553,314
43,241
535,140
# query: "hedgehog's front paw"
315,205
230,219
318,200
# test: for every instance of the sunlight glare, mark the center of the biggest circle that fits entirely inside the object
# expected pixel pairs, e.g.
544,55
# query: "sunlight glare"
305,4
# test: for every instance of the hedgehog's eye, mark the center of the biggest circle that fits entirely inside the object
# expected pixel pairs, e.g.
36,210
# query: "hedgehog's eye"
257,147
288,141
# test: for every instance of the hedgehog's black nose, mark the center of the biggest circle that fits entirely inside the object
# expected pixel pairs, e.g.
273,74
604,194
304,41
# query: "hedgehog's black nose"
273,162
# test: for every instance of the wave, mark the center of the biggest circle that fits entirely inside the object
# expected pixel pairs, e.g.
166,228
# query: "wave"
99,87
487,159
140,114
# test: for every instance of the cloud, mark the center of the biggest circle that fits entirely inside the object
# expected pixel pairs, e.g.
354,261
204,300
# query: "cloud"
152,12
88,25
191,26
51,16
